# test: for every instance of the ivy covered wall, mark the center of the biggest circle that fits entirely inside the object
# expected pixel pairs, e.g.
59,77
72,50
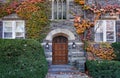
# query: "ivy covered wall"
34,12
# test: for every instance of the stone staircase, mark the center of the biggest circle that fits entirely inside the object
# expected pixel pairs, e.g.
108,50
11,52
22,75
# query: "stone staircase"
64,71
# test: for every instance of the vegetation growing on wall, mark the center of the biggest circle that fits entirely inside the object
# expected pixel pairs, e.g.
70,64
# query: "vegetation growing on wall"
35,12
8,8
101,50
84,27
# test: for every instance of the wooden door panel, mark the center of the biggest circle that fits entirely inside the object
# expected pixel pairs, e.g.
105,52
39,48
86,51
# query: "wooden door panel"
60,50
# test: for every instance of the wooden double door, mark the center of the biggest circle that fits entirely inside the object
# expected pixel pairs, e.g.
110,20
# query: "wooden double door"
60,50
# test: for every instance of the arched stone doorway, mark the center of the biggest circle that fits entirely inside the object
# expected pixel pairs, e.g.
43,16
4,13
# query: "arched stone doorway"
67,33
50,41
60,50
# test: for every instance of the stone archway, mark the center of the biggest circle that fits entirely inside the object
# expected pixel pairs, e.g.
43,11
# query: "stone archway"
64,32
49,40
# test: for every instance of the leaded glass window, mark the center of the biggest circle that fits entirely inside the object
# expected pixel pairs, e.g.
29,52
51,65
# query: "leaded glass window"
59,9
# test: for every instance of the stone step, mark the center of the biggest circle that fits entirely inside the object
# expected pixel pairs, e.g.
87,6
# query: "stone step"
61,68
67,75
56,72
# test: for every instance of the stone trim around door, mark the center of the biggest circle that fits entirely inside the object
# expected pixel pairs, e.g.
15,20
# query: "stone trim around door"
49,38
74,54
64,32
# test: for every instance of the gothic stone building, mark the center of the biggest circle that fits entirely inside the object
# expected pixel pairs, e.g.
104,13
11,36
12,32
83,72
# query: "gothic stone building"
62,45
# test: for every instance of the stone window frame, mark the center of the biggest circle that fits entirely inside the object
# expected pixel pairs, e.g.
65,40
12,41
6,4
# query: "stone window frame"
13,29
104,30
67,13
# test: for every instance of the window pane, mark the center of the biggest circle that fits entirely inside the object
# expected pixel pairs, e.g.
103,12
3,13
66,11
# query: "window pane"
110,30
110,36
110,25
7,35
64,9
60,9
19,27
99,31
7,27
19,35
8,24
55,9
99,37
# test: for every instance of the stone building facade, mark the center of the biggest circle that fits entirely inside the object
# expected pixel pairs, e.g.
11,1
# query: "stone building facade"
63,27
62,44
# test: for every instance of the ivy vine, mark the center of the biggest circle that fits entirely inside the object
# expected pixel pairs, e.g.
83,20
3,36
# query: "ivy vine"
34,12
